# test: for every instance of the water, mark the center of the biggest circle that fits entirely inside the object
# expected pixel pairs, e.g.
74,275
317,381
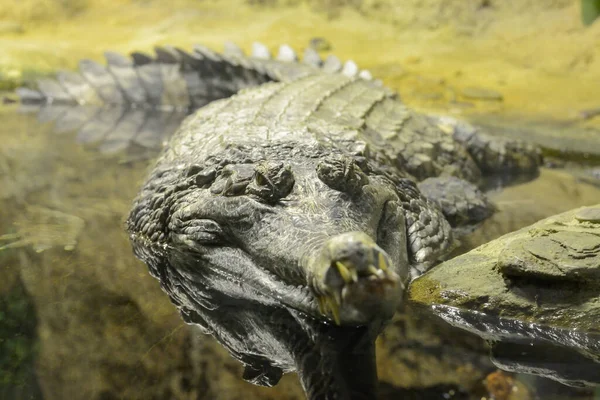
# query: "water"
90,322
81,318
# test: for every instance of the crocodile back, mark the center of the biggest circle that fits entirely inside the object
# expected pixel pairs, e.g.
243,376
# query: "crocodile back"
348,114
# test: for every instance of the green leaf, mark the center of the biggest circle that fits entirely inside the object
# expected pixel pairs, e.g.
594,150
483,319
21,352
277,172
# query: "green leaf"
590,10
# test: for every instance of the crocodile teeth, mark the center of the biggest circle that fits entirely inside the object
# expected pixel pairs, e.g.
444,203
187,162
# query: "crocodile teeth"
373,271
344,272
232,49
260,51
287,54
337,296
334,309
350,69
327,305
381,262
311,57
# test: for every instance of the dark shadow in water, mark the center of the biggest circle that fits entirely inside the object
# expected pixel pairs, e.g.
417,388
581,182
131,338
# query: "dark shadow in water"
18,346
139,133
545,359
570,357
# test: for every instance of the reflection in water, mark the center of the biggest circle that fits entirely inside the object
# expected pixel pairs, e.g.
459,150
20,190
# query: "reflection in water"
547,360
136,132
105,330
566,355
271,341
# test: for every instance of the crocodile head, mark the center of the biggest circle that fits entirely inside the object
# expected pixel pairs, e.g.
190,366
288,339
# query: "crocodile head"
322,235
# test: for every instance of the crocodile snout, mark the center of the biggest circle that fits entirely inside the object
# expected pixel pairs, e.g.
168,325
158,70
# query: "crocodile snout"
355,279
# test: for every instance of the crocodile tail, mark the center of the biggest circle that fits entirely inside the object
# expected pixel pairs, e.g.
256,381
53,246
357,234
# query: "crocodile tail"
176,79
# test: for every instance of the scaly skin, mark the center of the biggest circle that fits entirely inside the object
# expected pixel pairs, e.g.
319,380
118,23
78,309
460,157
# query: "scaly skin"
296,191
227,142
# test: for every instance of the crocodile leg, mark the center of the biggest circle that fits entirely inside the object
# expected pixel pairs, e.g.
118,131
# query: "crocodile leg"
462,202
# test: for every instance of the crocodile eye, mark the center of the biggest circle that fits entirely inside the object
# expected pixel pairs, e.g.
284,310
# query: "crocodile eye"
272,181
342,173
260,179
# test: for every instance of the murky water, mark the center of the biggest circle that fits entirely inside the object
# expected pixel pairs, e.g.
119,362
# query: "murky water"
81,318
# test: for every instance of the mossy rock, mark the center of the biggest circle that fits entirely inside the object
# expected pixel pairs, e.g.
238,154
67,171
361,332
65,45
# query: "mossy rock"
546,275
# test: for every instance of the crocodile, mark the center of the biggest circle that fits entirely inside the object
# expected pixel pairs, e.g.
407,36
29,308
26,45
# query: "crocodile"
303,189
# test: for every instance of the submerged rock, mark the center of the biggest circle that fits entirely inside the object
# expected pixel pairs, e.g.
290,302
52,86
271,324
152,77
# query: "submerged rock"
537,288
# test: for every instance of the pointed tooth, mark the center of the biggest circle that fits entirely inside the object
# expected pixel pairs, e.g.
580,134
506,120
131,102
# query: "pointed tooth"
332,64
311,57
344,272
392,279
372,270
366,75
354,275
232,49
260,51
337,295
382,262
335,311
350,68
287,54
322,305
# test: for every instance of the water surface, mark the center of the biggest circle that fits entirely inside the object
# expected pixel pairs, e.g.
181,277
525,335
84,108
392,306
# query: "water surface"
83,319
